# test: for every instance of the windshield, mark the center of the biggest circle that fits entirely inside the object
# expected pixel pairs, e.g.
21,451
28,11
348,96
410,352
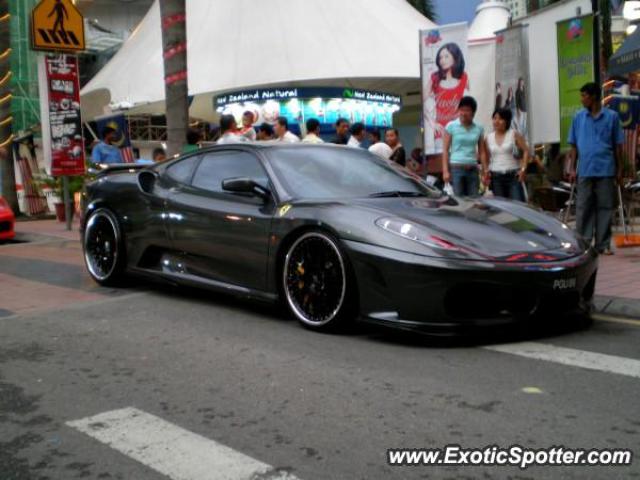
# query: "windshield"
334,172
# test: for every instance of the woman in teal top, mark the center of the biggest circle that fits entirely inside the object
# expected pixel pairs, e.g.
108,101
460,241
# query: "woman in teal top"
463,144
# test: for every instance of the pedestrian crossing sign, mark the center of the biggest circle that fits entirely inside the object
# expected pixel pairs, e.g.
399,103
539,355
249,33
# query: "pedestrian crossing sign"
57,25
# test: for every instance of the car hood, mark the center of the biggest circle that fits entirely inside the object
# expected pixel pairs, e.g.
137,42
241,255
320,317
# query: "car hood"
490,228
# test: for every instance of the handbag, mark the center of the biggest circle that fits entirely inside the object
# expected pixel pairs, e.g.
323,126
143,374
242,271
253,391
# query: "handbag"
448,189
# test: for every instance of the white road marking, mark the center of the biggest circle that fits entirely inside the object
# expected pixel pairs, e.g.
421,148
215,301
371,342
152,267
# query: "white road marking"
532,390
172,450
569,356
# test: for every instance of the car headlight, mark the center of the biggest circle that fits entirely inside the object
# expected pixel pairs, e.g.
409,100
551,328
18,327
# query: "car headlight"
417,233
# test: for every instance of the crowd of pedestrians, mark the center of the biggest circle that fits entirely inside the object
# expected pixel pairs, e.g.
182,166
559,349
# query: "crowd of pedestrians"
354,136
499,159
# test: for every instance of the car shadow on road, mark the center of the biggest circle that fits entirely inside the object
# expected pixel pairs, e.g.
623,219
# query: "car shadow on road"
460,338
272,311
483,336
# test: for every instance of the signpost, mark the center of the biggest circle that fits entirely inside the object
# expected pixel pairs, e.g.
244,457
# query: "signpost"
58,26
63,100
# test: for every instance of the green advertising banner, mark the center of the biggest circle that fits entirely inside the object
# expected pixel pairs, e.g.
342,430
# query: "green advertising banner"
575,67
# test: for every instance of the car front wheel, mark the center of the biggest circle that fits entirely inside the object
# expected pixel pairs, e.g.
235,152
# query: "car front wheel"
316,282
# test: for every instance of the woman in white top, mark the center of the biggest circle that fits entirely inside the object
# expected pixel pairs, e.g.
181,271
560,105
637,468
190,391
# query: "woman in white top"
506,171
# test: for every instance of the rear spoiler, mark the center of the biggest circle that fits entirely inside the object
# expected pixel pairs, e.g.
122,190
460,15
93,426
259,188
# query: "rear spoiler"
103,170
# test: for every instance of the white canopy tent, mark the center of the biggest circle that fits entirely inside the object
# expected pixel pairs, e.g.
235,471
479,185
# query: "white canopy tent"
238,44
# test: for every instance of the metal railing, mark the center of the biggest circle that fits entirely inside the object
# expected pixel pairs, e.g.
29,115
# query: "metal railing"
143,128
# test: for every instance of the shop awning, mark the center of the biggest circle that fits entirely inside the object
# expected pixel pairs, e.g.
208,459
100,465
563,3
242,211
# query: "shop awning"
627,59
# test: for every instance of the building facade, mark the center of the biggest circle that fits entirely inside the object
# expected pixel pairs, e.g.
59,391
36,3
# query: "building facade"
521,8
25,104
518,8
117,16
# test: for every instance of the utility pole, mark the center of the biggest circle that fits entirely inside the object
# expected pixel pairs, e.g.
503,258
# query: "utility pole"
7,173
602,45
174,47
607,44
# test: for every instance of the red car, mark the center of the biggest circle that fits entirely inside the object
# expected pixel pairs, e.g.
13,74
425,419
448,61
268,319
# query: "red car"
7,221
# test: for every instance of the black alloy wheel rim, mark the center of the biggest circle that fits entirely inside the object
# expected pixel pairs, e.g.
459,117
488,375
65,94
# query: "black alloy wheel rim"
314,279
101,252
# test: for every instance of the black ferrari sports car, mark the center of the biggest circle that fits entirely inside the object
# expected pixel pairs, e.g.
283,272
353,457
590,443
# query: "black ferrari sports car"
334,233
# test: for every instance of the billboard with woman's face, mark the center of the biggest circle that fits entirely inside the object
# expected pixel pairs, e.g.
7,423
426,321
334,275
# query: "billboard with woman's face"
444,80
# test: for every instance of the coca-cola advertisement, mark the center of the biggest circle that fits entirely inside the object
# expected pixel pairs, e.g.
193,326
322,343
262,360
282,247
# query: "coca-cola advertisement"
67,144
444,80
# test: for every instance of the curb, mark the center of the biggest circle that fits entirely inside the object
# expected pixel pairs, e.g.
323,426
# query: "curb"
617,306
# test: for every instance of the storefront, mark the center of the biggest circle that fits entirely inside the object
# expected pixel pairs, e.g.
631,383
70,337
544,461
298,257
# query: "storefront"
326,104
624,96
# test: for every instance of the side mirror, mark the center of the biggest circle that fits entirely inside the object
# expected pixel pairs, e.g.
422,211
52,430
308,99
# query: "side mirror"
245,185
146,180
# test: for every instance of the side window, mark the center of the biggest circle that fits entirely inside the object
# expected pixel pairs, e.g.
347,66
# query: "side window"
216,167
182,169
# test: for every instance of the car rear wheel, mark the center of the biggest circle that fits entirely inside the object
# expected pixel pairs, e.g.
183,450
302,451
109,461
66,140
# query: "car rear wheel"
316,282
103,248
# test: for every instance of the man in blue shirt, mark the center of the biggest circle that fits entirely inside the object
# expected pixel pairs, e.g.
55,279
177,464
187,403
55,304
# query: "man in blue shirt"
104,152
596,140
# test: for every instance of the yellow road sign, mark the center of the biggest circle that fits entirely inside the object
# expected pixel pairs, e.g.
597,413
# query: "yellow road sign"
57,25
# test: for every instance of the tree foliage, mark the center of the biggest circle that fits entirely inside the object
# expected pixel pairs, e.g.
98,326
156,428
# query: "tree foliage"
425,7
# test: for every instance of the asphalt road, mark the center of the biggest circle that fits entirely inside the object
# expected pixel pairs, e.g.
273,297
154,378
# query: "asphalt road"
311,405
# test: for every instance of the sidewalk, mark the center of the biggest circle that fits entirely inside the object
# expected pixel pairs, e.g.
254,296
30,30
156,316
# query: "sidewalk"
43,270
617,288
618,284
48,228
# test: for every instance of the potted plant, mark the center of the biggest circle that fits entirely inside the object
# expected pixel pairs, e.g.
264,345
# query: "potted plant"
47,186
56,197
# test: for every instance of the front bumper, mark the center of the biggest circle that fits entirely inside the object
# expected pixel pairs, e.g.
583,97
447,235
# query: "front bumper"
417,292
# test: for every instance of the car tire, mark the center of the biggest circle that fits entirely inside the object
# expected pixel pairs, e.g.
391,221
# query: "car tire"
317,284
103,248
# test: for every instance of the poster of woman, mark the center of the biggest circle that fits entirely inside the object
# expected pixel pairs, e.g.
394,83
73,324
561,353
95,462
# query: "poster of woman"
512,73
444,80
